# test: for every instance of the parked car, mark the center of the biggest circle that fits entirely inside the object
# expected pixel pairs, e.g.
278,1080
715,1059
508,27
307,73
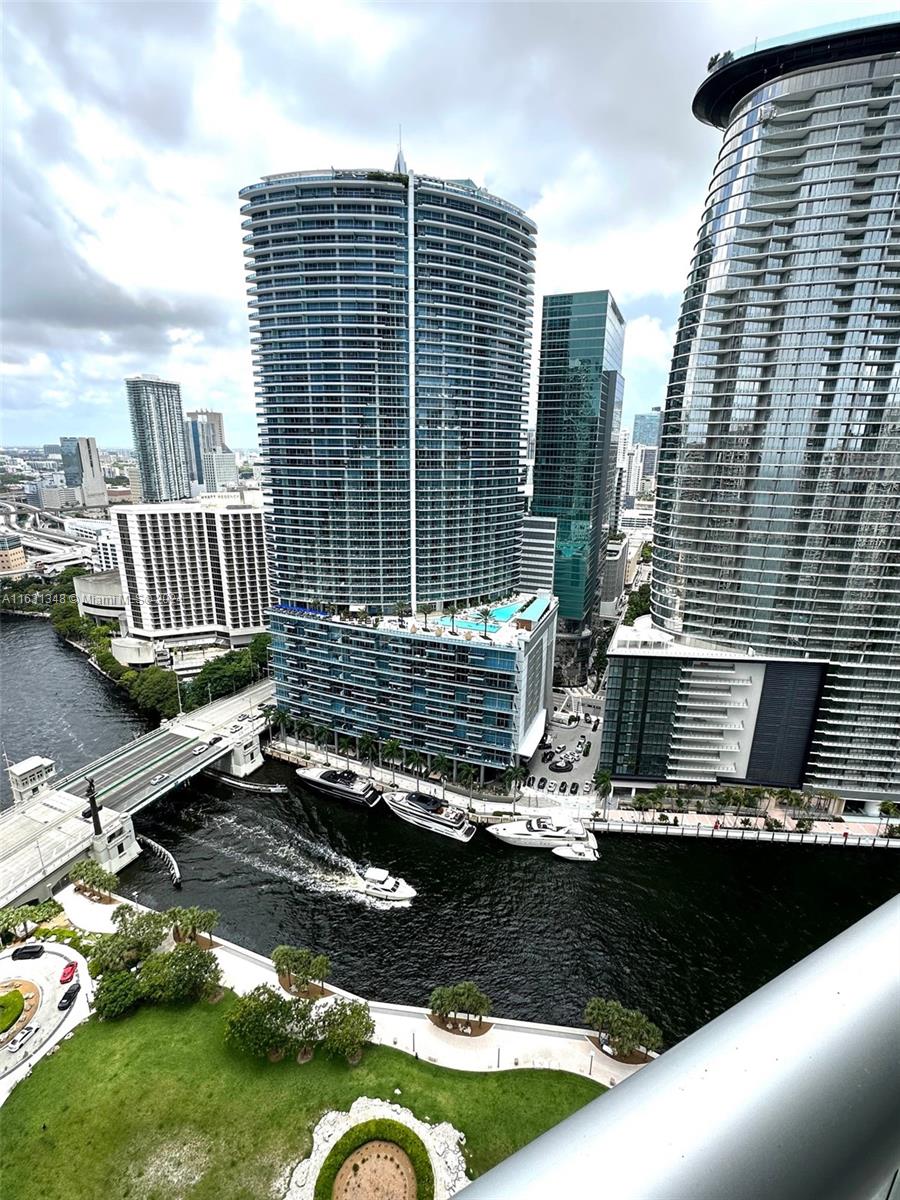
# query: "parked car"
214,739
198,750
596,725
562,788
529,782
587,788
587,749
551,786
21,1038
86,813
588,718
547,756
68,972
67,999
573,790
235,729
573,719
244,717
542,783
160,777
31,950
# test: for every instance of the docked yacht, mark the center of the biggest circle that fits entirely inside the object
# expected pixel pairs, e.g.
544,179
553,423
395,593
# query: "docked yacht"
430,812
340,784
577,852
378,884
543,833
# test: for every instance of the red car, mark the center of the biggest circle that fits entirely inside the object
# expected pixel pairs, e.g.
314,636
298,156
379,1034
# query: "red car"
68,972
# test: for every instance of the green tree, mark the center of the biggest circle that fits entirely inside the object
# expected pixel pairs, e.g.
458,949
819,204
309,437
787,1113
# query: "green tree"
426,610
322,737
638,604
261,1022
452,610
466,775
117,993
444,767
141,932
392,752
469,999
184,974
344,747
485,614
320,968
368,749
156,690
414,761
346,1026
441,1002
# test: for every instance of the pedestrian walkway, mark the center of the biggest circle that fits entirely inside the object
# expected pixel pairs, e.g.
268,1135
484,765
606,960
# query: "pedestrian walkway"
507,1045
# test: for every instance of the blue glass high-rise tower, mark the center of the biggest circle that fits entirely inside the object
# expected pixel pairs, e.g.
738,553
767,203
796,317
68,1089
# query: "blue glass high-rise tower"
579,412
391,320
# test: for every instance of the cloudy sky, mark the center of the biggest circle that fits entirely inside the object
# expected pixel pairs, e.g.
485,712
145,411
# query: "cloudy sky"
130,127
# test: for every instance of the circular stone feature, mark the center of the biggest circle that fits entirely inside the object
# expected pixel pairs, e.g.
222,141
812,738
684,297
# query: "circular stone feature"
376,1171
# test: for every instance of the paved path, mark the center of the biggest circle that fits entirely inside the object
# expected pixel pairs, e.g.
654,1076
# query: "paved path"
507,1045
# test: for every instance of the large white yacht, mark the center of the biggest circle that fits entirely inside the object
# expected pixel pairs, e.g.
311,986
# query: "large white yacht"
341,784
430,812
378,884
543,833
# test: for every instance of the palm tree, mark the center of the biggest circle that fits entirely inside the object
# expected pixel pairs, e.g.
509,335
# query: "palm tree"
426,610
485,614
402,610
466,776
515,776
603,784
443,766
322,737
414,761
451,611
391,753
344,746
304,728
368,747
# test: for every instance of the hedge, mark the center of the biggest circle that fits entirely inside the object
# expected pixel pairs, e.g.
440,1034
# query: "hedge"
379,1129
11,1006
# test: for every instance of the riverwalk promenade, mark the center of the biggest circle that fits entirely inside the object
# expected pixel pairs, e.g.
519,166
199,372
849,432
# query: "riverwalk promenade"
507,1045
850,833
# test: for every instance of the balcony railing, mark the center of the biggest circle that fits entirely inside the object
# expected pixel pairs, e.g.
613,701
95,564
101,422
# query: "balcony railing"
792,1093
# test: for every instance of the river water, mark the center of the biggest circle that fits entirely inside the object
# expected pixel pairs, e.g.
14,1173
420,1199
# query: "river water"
679,929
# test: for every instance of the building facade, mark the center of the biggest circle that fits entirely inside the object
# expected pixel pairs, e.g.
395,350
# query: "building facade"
580,395
646,428
538,554
391,319
82,469
158,429
220,471
194,570
12,553
204,430
777,529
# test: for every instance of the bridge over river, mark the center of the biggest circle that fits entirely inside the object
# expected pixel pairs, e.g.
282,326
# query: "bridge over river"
41,836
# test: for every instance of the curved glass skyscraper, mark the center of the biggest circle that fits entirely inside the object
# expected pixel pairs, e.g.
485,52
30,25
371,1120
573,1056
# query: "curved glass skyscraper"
778,491
391,323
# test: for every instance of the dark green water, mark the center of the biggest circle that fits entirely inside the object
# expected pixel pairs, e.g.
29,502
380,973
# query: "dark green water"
679,929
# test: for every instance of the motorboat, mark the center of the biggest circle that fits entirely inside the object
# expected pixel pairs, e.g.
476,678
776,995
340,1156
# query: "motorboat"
380,885
577,852
543,833
432,813
340,784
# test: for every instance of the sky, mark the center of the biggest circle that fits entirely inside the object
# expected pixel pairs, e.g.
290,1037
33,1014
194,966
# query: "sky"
129,128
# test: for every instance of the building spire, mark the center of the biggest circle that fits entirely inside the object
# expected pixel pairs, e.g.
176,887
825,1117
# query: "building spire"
400,167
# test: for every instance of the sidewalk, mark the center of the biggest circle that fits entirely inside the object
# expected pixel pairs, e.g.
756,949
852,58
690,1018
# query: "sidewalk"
508,1044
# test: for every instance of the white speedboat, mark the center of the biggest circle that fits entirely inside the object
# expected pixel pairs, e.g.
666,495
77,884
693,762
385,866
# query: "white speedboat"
378,884
577,852
543,833
340,784
430,812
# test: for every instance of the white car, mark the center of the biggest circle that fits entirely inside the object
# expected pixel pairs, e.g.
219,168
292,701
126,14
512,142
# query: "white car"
235,729
21,1038
160,777
551,786
197,750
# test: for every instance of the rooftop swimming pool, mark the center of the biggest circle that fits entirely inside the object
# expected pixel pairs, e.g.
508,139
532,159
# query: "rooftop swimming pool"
505,611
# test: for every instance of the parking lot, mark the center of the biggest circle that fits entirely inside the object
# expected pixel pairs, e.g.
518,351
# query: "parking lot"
563,738
51,1024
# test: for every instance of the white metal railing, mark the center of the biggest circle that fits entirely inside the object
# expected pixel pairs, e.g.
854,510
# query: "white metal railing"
792,1093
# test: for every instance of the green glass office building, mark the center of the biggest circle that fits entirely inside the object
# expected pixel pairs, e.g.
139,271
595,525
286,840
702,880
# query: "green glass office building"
579,412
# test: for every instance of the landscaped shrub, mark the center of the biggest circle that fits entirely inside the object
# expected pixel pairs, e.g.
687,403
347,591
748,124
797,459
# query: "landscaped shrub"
11,1006
378,1129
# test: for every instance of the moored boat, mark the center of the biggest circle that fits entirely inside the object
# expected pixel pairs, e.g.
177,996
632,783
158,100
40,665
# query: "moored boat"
577,852
543,833
432,813
340,784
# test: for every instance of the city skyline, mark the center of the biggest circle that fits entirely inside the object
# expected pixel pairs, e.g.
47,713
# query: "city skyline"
136,203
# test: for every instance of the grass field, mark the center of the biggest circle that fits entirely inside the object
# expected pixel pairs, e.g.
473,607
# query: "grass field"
156,1107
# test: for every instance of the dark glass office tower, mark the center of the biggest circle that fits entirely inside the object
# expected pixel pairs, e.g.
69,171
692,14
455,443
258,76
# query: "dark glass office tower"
778,489
579,411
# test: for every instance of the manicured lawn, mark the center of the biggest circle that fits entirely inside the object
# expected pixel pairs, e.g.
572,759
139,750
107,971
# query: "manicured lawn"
156,1107
11,1006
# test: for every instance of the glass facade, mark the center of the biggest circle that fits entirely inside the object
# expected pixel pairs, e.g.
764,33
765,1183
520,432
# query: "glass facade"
641,695
778,487
391,319
579,410
157,424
